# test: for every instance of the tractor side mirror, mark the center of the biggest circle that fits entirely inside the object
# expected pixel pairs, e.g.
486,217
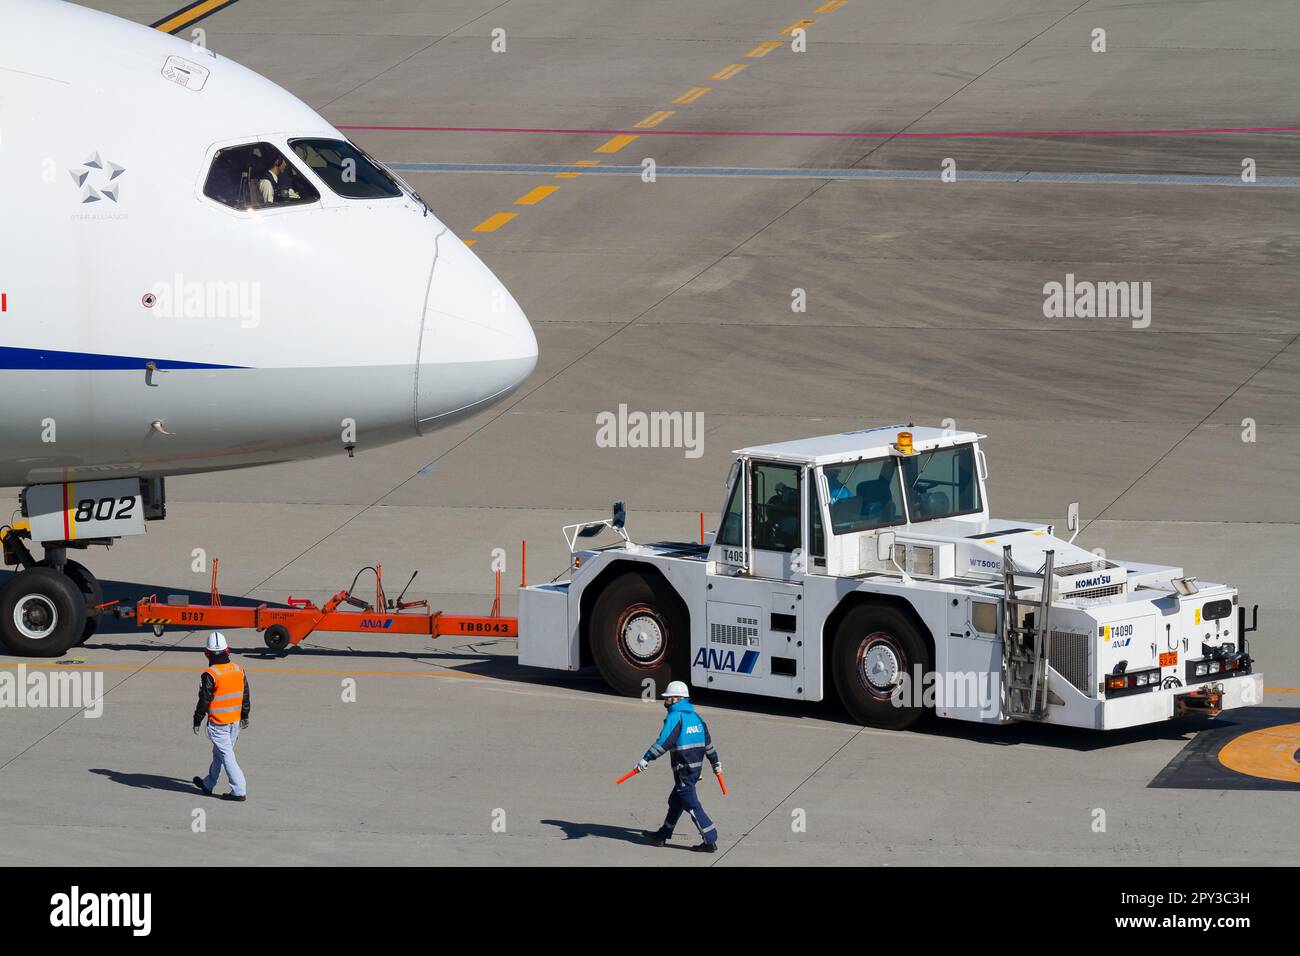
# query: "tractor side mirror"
885,546
1072,519
885,553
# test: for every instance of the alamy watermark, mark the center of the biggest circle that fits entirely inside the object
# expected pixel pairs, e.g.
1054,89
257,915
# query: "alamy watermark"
633,429
207,299
1085,299
80,690
75,908
960,689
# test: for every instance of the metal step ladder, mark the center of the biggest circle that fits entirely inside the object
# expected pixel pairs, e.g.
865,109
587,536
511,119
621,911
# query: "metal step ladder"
1027,647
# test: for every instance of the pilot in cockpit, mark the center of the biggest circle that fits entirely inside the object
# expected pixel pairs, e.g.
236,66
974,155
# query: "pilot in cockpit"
274,184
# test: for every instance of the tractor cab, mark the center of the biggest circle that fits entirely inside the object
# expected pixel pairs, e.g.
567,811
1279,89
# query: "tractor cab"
782,499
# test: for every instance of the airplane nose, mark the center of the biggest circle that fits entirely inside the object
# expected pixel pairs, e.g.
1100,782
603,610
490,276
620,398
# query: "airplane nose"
476,345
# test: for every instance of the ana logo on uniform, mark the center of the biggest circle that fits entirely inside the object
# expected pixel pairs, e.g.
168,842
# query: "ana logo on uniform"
75,909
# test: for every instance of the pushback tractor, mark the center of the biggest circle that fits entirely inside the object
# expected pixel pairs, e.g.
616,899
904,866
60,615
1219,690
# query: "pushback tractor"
866,565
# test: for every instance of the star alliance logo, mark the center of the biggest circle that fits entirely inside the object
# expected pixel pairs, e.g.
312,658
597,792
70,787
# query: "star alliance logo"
105,172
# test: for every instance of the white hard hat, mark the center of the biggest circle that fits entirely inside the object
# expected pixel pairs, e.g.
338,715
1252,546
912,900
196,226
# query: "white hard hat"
217,642
676,689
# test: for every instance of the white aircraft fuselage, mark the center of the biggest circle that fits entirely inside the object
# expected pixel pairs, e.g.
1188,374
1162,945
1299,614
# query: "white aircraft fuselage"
150,329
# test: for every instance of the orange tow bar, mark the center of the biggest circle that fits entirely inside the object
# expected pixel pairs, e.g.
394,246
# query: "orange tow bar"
281,627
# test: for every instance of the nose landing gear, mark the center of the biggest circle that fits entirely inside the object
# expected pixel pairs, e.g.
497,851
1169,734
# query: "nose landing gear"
49,606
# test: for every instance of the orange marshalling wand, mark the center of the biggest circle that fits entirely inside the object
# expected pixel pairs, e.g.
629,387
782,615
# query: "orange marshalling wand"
627,776
721,783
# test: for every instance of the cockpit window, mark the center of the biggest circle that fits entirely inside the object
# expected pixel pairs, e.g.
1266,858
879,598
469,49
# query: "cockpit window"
346,169
256,176
942,483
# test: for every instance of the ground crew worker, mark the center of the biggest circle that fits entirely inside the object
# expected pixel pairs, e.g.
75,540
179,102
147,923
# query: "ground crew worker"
686,737
224,699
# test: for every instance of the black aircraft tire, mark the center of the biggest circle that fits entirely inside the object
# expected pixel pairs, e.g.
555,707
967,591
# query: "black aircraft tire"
42,613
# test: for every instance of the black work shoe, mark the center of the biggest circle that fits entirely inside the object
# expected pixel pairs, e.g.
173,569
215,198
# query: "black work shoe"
706,848
198,782
231,796
655,837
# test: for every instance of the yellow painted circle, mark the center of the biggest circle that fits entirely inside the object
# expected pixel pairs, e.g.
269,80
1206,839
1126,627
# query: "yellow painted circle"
1269,753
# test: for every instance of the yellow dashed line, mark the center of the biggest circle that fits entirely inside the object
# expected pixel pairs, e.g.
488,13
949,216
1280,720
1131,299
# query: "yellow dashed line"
691,95
830,6
495,221
654,119
763,49
469,242
534,196
614,145
581,162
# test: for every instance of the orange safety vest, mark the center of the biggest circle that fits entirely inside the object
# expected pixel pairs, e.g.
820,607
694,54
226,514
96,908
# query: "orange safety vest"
228,700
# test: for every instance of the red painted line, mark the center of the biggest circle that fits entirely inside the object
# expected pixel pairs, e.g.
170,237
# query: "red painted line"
792,133
67,532
4,301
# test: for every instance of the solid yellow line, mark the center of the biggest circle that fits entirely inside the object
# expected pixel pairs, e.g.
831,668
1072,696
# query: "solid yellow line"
830,6
727,72
691,95
1282,690
534,196
763,49
654,119
1268,753
789,31
252,670
614,145
495,221
189,16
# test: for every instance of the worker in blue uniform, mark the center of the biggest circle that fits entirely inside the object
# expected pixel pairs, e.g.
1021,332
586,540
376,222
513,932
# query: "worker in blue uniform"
686,737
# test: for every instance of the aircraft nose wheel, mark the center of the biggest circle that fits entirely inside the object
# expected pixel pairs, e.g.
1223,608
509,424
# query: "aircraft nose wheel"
42,613
91,592
276,637
35,616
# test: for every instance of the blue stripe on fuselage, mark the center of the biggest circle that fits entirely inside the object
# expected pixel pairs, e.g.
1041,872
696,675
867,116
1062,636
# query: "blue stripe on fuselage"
50,360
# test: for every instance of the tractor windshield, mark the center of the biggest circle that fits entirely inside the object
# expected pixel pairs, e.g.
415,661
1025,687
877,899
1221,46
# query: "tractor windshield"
941,483
864,495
